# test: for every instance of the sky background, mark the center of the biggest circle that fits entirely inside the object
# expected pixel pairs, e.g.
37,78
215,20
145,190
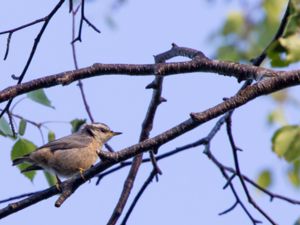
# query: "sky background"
190,189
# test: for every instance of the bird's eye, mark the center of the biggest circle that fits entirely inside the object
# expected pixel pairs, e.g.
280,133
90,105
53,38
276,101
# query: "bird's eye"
103,130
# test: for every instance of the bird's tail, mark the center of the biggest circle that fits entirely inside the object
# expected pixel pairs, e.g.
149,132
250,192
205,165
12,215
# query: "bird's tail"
20,160
31,168
26,159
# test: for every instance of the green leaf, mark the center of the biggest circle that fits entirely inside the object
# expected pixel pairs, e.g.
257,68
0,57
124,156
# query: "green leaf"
264,179
280,96
277,116
285,50
293,174
51,179
291,44
51,136
5,127
293,22
21,148
277,54
273,8
292,25
228,53
76,124
22,127
234,23
39,96
294,178
286,143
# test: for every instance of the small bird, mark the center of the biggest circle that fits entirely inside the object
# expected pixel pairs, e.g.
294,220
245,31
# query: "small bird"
69,155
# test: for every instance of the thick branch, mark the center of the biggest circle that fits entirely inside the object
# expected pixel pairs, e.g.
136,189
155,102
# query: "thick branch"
198,64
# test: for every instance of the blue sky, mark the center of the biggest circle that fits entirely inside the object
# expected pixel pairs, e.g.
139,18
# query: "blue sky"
190,189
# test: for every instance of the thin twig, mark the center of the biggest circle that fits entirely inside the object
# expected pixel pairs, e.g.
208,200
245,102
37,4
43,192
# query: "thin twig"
39,126
233,190
7,45
139,194
80,84
239,174
83,19
46,21
86,105
267,192
70,6
23,26
229,209
78,38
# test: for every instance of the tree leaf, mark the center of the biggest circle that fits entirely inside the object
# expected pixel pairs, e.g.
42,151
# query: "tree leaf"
5,127
286,143
21,148
51,136
294,178
293,174
264,179
293,22
228,52
39,96
277,116
51,179
280,96
234,23
285,50
76,124
22,127
291,44
273,8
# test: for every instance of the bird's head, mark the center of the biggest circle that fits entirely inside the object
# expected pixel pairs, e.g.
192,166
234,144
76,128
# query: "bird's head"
100,131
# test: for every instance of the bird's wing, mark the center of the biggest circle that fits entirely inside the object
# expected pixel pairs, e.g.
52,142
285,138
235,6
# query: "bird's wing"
68,142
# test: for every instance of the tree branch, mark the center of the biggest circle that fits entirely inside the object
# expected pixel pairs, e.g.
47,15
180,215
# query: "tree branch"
198,64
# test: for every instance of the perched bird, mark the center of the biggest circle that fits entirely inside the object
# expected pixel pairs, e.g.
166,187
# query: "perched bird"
69,155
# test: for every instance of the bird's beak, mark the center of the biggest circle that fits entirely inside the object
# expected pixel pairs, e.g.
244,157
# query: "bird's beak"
114,133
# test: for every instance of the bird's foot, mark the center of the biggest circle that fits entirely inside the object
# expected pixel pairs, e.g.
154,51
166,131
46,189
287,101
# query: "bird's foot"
81,171
58,184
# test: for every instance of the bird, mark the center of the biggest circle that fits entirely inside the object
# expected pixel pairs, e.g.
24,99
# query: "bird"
71,154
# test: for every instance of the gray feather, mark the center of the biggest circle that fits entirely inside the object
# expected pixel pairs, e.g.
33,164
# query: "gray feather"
68,142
